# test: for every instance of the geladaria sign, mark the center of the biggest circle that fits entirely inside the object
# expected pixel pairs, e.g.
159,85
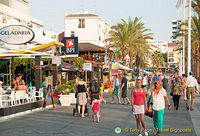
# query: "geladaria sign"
16,34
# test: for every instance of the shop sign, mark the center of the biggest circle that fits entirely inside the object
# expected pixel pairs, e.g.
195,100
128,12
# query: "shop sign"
16,34
87,66
71,46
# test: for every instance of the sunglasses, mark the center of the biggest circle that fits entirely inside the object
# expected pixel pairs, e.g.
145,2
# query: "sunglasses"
156,83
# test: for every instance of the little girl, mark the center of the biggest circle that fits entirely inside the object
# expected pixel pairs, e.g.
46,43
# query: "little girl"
96,108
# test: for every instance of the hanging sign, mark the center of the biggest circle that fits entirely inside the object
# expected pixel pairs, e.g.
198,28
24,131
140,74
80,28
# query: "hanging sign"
71,46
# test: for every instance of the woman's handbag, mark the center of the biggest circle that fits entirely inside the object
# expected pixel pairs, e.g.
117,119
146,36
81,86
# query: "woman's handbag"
149,113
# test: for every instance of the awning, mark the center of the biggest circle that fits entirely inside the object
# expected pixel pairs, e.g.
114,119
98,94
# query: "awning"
39,50
63,67
120,66
116,71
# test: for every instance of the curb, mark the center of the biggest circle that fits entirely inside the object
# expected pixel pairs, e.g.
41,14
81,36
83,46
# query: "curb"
9,117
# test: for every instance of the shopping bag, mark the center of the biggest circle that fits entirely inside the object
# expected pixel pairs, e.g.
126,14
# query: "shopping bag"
149,113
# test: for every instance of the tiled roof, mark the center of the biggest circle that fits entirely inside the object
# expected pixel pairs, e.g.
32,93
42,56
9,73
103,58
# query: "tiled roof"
89,47
82,15
172,45
153,46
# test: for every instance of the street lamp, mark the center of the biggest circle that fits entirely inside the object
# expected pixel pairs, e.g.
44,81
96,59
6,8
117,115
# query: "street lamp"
189,37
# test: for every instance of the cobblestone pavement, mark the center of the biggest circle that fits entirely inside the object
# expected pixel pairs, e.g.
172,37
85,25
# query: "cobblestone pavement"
60,122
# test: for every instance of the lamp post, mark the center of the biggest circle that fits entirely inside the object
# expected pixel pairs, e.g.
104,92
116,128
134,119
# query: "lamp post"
189,37
184,39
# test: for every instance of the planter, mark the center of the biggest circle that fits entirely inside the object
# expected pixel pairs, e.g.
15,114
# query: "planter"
73,99
65,100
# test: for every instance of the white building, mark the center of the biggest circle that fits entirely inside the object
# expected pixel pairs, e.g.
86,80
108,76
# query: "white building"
176,27
173,55
17,12
162,45
89,28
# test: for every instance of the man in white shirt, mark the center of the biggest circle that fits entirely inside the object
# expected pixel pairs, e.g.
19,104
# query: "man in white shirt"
191,84
144,82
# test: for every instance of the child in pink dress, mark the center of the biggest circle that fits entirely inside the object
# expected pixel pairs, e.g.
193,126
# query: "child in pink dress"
96,108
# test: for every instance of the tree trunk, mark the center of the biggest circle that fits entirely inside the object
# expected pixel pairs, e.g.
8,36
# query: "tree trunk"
198,53
124,57
137,64
131,60
131,63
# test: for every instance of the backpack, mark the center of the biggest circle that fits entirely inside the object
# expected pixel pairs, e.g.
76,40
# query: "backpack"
95,88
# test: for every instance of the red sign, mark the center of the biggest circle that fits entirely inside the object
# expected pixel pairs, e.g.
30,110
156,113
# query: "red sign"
70,43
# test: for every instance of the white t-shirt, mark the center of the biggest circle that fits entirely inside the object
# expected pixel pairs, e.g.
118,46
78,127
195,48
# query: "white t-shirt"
159,100
144,82
117,82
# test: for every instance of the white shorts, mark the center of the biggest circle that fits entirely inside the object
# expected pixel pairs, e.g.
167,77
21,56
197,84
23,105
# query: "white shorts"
139,109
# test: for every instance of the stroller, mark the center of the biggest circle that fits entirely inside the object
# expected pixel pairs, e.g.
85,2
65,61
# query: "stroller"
75,110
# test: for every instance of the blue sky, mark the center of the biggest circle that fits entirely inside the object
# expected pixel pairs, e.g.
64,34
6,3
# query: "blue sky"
156,14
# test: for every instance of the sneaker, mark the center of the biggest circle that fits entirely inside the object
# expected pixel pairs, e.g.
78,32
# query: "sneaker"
146,134
191,109
187,108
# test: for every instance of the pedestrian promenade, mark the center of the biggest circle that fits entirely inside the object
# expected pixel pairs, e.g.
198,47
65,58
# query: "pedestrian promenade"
60,122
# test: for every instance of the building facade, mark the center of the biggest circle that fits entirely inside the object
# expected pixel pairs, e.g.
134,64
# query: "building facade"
89,28
173,55
160,44
177,26
17,12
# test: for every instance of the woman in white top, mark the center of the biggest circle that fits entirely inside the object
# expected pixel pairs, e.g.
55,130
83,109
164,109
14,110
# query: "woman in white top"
159,97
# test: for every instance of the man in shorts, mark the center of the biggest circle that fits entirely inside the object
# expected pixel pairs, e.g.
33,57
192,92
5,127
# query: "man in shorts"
192,86
124,89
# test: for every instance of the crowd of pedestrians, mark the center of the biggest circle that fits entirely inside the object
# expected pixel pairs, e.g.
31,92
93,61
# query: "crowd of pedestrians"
147,98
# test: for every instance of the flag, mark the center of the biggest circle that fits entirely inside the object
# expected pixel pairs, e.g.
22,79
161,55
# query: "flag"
179,4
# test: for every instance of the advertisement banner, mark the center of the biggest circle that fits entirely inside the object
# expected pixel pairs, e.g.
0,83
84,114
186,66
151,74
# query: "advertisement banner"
71,46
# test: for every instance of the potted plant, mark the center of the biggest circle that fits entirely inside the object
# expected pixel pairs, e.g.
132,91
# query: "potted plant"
71,86
65,98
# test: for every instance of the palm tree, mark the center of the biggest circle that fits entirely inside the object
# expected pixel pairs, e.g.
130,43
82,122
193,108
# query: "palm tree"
119,37
196,41
196,6
195,49
137,45
157,59
131,38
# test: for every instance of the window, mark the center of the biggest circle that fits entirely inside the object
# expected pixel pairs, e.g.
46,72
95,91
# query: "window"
81,23
171,54
171,60
72,33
